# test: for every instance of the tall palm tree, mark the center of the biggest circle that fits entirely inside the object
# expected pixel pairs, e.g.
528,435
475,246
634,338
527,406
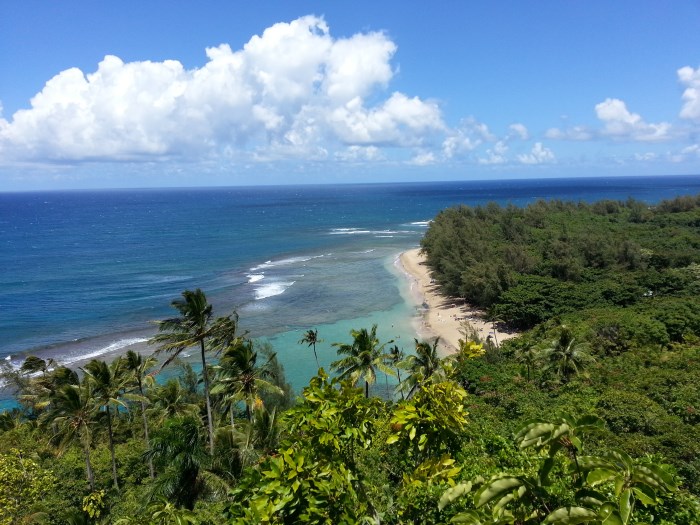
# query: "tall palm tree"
137,366
192,328
239,378
362,358
311,338
72,413
565,357
396,359
172,400
423,365
528,355
108,385
178,447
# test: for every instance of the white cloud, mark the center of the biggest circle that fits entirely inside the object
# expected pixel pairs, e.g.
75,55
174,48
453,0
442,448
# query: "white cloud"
495,155
399,121
423,159
518,130
359,153
581,133
538,155
691,96
467,137
292,91
621,124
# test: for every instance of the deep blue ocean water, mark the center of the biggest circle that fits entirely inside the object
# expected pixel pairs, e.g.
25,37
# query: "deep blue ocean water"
83,272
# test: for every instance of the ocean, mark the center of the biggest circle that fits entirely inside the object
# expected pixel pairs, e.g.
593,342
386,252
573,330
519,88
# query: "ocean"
85,272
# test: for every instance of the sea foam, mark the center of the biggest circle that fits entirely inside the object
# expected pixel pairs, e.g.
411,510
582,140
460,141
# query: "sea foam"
272,289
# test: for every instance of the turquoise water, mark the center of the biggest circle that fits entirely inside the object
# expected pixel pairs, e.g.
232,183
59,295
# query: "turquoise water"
83,272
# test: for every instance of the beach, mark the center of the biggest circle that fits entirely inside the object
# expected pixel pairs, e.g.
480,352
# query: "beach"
443,317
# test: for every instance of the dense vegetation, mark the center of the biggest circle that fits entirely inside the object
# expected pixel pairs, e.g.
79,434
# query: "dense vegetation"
528,265
590,416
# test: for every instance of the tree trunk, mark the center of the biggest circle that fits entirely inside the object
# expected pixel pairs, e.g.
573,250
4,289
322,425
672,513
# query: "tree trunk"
111,447
151,470
366,389
316,356
210,423
88,467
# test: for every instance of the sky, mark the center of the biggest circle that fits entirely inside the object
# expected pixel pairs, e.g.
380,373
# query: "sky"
223,93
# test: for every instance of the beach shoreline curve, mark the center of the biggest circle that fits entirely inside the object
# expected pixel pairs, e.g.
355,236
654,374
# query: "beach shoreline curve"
442,316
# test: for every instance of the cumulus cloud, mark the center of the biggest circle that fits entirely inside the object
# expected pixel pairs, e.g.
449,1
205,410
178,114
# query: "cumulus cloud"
518,131
691,96
359,153
495,155
294,91
621,124
538,155
468,136
423,159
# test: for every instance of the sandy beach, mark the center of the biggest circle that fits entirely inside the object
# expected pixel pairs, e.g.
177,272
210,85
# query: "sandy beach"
442,317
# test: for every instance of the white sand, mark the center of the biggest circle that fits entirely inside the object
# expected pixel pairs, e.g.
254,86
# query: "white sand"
444,317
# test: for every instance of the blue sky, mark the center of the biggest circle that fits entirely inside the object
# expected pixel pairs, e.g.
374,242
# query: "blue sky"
148,94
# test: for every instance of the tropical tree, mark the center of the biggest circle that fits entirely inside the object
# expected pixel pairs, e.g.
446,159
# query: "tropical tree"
311,338
239,378
178,448
72,414
171,400
565,357
138,367
528,355
33,364
397,360
192,328
362,358
606,488
108,385
422,365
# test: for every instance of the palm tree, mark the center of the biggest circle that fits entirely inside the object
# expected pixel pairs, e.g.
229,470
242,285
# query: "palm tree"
138,368
108,385
311,338
72,413
33,364
396,359
565,356
362,358
178,447
422,366
172,400
239,378
193,327
527,355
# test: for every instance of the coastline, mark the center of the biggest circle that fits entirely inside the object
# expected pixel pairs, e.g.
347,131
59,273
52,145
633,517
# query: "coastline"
441,316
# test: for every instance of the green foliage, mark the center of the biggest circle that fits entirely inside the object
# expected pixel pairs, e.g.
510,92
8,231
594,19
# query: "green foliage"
431,422
601,489
23,485
292,487
363,357
552,258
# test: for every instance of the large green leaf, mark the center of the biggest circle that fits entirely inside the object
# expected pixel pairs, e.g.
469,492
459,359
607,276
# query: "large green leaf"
454,493
571,516
608,514
470,517
495,489
626,505
600,475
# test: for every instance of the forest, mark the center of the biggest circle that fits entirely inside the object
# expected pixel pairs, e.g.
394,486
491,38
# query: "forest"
590,415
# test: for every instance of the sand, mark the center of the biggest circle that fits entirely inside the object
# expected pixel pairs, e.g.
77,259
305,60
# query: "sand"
443,317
